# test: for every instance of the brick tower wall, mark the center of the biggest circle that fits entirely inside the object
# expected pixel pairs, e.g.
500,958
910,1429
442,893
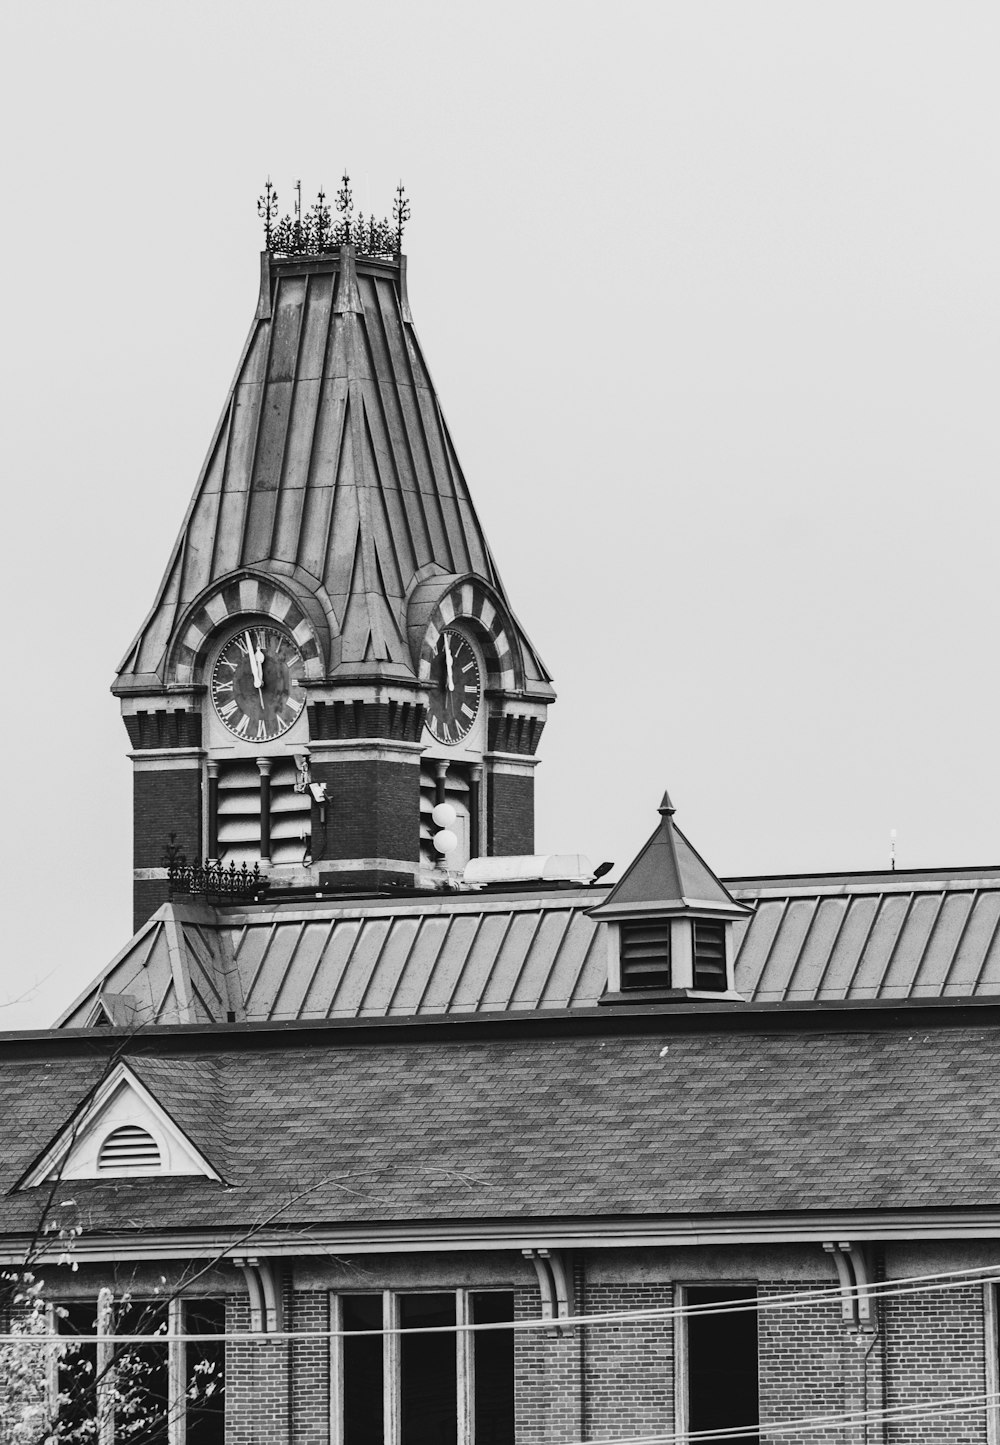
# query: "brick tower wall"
165,801
510,815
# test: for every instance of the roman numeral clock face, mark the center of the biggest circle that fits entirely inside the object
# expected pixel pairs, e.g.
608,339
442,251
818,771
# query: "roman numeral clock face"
455,688
257,684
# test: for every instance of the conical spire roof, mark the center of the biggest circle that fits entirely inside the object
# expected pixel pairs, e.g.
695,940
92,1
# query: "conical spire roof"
668,876
332,471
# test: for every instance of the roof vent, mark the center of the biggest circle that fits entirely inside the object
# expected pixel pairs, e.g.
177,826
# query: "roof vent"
129,1150
530,868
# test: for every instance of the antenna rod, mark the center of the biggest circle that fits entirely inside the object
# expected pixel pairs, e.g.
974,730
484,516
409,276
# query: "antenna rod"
892,849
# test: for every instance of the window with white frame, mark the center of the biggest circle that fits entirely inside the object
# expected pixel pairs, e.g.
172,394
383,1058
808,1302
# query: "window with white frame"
716,1385
170,1390
406,1371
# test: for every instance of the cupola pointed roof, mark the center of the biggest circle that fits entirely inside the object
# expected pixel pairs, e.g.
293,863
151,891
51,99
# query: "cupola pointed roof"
331,475
668,876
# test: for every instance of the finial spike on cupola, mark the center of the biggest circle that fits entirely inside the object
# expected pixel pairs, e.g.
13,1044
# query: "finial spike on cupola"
667,806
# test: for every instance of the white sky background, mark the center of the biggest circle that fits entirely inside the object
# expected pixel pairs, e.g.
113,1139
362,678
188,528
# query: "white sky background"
710,295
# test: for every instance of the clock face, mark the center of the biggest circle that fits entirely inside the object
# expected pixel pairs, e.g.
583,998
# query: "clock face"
257,684
455,689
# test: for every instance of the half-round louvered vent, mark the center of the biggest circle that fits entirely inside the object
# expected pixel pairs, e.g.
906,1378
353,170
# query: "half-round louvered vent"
129,1150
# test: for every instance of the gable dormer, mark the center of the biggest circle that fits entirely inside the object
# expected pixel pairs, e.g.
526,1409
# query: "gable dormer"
669,923
122,1131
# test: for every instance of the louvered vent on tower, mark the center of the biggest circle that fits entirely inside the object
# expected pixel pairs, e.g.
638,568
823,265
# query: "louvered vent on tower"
129,1150
456,792
239,814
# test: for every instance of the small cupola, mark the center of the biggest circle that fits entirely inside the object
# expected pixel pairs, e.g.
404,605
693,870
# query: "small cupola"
669,924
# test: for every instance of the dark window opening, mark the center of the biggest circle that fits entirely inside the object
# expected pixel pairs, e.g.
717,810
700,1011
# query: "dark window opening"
710,954
77,1366
722,1364
204,1372
133,1383
428,1371
645,954
141,1373
493,1369
363,1385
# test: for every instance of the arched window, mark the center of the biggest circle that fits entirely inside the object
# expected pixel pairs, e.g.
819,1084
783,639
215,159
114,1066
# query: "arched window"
129,1150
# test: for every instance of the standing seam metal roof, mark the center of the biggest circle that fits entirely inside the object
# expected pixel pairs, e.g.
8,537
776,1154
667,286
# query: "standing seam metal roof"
877,938
332,470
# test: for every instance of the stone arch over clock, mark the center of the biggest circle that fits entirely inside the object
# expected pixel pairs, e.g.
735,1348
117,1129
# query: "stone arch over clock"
469,658
245,594
248,649
472,604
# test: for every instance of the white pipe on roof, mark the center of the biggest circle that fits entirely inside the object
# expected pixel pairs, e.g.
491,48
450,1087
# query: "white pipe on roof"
529,868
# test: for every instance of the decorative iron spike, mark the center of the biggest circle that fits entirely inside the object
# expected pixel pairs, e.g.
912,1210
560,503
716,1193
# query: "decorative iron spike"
320,227
345,198
314,234
297,223
400,214
267,209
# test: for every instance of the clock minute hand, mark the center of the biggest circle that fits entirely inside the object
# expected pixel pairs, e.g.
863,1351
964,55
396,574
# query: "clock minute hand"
254,664
447,658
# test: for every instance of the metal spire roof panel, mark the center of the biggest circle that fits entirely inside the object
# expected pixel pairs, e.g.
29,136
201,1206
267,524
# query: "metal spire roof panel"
332,467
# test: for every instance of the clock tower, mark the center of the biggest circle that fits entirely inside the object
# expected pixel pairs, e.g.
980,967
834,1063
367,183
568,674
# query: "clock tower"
331,653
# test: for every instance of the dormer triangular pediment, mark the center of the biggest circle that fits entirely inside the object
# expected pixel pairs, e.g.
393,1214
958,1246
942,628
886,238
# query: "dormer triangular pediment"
121,1131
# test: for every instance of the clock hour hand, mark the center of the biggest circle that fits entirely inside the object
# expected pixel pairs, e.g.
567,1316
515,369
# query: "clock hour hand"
252,653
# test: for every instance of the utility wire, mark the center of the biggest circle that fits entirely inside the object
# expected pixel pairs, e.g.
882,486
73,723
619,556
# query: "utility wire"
808,1424
888,1289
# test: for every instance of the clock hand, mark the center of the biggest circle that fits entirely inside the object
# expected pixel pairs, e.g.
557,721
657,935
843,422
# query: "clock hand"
254,664
447,658
259,657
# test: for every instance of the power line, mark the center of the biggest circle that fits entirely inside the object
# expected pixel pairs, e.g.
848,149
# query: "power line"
886,1289
808,1424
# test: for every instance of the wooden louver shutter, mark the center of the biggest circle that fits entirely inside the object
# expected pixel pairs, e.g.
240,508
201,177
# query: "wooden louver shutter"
238,819
710,954
645,954
129,1150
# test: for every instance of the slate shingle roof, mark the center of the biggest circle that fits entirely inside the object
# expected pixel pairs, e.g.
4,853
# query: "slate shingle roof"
336,1127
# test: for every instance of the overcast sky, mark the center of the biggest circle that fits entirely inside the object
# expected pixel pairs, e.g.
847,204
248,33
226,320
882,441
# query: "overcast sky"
710,296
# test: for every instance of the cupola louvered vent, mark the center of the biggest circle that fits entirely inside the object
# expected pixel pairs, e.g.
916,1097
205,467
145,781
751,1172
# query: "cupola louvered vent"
710,954
129,1150
645,954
